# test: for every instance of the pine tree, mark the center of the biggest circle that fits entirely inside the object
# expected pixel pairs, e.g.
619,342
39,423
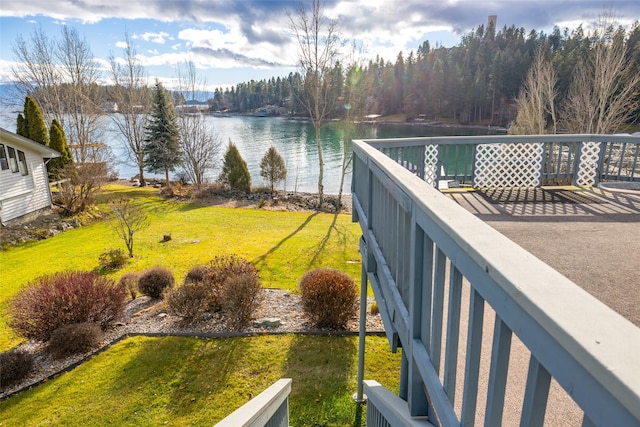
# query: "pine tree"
58,141
272,167
234,170
34,125
162,143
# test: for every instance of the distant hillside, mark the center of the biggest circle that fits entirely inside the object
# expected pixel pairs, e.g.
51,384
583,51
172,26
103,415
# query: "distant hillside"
8,92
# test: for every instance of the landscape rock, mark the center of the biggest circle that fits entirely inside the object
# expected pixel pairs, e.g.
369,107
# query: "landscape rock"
268,322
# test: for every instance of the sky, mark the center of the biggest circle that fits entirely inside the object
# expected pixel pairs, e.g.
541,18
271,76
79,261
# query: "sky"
234,41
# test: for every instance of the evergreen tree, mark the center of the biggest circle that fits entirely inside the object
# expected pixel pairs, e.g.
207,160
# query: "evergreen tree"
22,126
234,170
58,141
272,167
162,143
34,122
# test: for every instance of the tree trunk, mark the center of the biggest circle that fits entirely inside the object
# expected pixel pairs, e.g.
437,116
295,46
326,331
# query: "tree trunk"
320,165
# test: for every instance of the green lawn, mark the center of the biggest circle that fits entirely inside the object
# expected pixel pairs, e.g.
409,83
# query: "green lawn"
191,381
196,382
283,245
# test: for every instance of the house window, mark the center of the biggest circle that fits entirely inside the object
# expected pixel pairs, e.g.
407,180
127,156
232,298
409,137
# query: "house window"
13,161
22,163
4,163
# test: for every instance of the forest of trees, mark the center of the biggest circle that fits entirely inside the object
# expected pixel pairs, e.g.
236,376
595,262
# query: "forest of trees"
476,81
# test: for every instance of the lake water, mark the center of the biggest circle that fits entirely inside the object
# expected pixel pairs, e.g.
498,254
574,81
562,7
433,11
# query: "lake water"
294,140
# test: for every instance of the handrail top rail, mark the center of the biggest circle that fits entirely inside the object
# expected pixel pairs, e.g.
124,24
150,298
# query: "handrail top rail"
487,139
598,338
253,410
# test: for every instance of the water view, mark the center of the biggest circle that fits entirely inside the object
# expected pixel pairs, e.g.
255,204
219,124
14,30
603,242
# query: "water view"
294,140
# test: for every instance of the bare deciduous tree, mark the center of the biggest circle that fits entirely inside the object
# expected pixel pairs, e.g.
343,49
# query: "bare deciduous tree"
603,92
318,51
37,73
63,76
127,220
200,143
81,95
537,99
132,96
79,184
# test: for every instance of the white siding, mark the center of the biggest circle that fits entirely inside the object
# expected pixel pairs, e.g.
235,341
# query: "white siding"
22,194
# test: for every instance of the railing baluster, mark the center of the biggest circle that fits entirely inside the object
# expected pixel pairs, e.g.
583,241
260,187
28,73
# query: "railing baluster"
472,367
500,354
536,395
438,303
427,289
453,333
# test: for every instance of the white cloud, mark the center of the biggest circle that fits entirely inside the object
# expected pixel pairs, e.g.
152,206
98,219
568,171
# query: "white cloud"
121,45
159,38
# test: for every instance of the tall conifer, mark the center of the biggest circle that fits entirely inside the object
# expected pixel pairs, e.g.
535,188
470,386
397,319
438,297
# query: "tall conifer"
234,170
22,126
35,125
58,141
162,142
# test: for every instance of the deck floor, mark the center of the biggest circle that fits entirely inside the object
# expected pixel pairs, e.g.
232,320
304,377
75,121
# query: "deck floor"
591,236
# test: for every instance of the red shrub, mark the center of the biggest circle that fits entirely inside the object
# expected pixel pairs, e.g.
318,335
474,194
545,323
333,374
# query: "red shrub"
329,297
64,298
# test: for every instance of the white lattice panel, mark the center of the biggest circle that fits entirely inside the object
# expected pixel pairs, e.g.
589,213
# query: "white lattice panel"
588,169
431,164
508,165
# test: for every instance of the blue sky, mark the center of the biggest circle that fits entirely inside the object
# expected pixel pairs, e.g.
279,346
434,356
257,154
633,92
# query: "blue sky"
233,41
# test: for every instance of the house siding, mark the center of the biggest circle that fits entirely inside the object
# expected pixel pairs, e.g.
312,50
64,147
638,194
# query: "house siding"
23,194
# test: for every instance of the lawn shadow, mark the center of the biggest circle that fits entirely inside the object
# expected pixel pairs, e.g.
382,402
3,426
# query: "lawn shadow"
261,259
184,372
322,371
319,250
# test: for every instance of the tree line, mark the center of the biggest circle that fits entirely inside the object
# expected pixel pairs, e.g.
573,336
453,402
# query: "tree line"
476,81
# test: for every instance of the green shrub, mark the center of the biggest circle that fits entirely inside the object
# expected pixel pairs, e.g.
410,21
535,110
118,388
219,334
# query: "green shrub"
113,259
154,281
63,298
188,301
129,282
240,297
73,339
15,365
329,297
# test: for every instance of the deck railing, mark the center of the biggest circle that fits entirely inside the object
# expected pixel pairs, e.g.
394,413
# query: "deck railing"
268,409
517,161
447,284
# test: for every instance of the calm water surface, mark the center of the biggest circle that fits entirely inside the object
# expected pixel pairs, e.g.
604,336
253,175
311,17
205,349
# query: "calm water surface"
294,140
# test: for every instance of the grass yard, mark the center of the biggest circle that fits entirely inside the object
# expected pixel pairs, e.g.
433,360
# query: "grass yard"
175,381
144,381
283,245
